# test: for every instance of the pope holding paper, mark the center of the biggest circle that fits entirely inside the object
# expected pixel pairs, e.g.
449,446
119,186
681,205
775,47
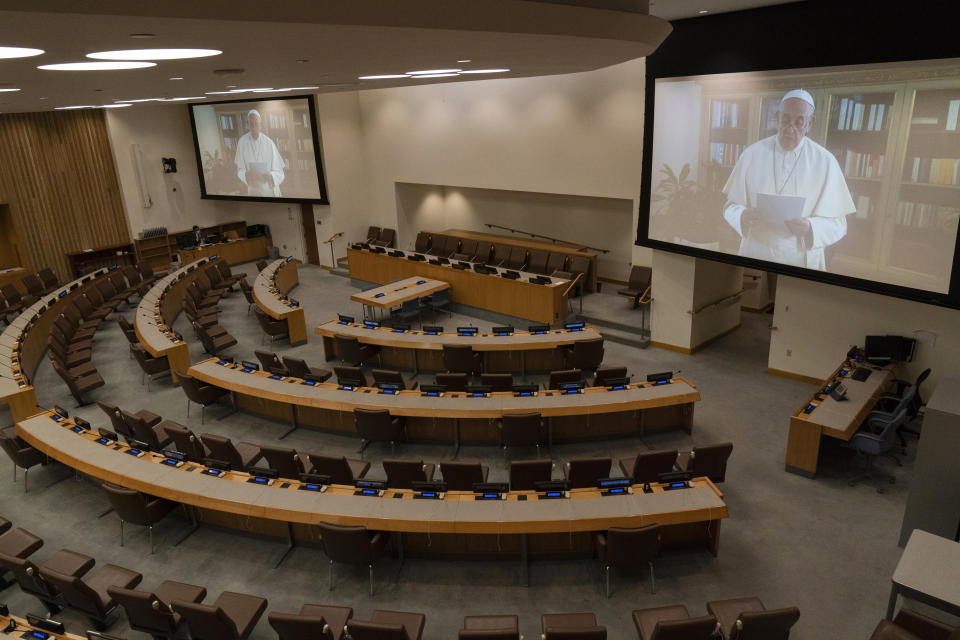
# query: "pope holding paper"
259,164
782,227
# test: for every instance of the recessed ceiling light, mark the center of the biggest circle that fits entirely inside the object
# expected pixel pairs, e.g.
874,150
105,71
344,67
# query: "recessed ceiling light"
486,71
249,90
703,11
432,72
182,99
302,61
114,106
142,36
154,54
78,106
19,52
141,100
434,75
383,77
7,89
176,78
464,60
96,66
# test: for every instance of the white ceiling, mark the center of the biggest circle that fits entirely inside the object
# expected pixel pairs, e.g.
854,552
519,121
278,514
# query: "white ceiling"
324,43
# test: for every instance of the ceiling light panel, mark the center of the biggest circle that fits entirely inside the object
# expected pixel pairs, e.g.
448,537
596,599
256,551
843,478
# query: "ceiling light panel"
96,66
19,52
154,54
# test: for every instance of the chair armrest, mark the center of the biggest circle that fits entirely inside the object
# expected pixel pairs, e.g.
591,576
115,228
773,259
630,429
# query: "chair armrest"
921,625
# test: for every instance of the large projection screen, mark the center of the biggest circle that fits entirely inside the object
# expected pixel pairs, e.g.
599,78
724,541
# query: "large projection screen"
849,171
264,150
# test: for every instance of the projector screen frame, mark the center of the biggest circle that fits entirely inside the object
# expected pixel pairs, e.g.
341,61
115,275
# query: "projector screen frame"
314,132
744,41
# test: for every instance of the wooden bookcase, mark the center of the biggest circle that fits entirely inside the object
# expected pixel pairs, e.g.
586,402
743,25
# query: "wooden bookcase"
89,260
158,251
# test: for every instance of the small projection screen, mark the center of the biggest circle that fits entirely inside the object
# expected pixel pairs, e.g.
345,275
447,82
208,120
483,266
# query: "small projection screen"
264,150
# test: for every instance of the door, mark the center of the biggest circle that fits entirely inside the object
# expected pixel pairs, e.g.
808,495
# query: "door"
309,233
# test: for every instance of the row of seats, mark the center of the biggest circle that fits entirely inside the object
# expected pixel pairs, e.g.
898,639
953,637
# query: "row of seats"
384,237
489,382
12,302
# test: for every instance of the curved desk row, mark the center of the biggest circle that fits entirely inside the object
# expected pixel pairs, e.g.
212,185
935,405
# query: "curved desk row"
23,343
694,512
521,351
270,293
596,412
160,307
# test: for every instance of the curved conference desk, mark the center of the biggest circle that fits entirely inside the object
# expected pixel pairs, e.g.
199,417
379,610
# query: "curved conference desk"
596,412
521,351
456,524
270,291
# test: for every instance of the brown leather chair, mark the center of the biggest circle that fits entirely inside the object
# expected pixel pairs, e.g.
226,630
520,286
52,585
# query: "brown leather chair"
32,284
242,455
401,474
468,250
147,272
98,300
32,582
673,623
186,441
459,358
437,245
196,391
214,339
495,627
11,295
517,260
584,354
710,461
461,476
341,470
638,285
71,331
910,625
605,374
499,255
146,431
90,312
538,261
273,328
314,622
521,430
628,547
88,594
298,368
68,357
422,243
22,455
564,376
120,425
271,362
377,425
137,508
150,611
79,385
385,376
149,365
497,381
452,381
55,354
350,350
748,619
388,625
286,461
571,626
352,545
386,238
73,314
199,299
556,262
525,474
583,473
49,279
373,233
18,543
647,466
231,617
248,294
229,278
352,376
261,265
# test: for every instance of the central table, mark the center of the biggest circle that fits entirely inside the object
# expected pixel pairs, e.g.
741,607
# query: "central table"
396,293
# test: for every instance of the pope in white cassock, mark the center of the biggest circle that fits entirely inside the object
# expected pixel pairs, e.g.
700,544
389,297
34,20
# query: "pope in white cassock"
789,164
258,161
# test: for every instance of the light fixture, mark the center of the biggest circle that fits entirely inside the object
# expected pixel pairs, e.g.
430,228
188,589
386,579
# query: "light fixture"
389,76
77,106
231,86
141,100
96,66
703,11
216,93
434,75
7,89
432,72
464,60
176,78
154,54
485,71
19,52
142,36
249,90
114,106
182,99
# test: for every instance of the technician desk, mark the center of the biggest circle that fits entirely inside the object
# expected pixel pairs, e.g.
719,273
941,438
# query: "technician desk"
396,293
270,291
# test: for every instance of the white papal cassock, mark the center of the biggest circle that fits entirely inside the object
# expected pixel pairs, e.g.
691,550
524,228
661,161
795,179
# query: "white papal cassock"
808,170
260,150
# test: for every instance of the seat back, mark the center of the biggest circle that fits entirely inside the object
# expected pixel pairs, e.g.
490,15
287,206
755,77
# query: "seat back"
352,376
387,237
375,424
145,611
773,624
118,281
497,381
32,284
588,354
13,447
517,259
133,276
206,622
650,464
459,358
346,543
453,381
469,248
140,429
284,460
566,375
360,630
388,377
632,546
711,461
270,326
584,472
640,278
524,474
700,628
186,441
247,291
521,429
606,374
222,448
224,269
48,278
336,467
130,505
213,275
147,363
500,254
94,296
450,245
191,387
296,367
401,474
10,293
578,264
145,269
348,348
83,305
116,419
373,233
578,633
556,262
28,577
422,243
299,627
271,362
538,261
461,476
78,594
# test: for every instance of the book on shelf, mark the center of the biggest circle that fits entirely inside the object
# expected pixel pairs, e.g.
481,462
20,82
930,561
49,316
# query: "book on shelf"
863,207
953,113
304,144
226,122
939,171
858,164
725,153
859,116
926,215
277,121
724,114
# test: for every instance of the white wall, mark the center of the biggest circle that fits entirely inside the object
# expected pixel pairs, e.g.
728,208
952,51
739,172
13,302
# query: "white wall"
817,323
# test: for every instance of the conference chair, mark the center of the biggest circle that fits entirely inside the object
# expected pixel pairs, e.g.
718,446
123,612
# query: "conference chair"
490,627
88,310
109,292
525,474
461,476
297,367
673,623
628,547
286,461
270,327
517,260
261,265
447,245
200,393
386,238
71,346
123,289
748,619
910,625
468,250
422,243
128,331
216,279
229,278
146,271
388,625
116,419
98,300
147,430
605,375
408,309
242,455
69,356
647,466
439,301
341,470
88,594
538,261
564,376
137,508
384,376
585,355
18,543
570,626
11,295
497,381
71,331
186,441
906,395
150,611
271,362
248,295
32,284
351,350
79,385
499,255
314,622
556,262
373,233
710,461
582,473
199,299
401,474
351,376
55,354
484,249
459,358
149,365
49,279
27,575
638,285
22,455
352,545
6,313
377,425
452,381
869,445
73,314
214,339
232,616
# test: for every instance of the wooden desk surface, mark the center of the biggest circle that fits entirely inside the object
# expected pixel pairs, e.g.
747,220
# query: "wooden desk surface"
495,238
414,339
396,293
586,510
14,276
270,291
152,329
593,400
841,418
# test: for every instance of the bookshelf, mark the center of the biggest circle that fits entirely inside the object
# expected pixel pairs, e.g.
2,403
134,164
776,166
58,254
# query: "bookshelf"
158,251
89,260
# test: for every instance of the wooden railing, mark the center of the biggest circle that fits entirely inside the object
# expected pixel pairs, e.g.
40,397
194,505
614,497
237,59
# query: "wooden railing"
551,239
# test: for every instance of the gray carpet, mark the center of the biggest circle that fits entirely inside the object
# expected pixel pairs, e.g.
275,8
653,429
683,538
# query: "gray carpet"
818,544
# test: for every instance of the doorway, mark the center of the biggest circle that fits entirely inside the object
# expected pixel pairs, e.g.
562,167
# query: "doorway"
309,233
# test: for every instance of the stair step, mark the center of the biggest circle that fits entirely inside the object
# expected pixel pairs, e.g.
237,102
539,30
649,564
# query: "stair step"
629,338
613,324
343,272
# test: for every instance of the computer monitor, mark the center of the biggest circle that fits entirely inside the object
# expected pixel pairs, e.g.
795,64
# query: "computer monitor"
884,349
